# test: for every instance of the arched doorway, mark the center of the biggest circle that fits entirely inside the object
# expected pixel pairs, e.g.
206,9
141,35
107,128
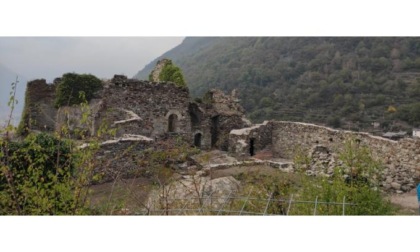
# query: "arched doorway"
251,147
173,123
197,140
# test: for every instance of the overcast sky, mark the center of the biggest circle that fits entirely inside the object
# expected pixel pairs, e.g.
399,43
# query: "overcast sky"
50,57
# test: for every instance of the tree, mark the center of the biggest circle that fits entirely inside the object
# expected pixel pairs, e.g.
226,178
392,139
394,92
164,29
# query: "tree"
72,84
171,72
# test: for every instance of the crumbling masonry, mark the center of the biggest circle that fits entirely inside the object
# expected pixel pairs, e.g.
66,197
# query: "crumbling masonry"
140,110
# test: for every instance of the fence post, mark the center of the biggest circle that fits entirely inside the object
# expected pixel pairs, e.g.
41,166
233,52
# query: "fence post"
344,204
268,203
316,203
246,201
290,204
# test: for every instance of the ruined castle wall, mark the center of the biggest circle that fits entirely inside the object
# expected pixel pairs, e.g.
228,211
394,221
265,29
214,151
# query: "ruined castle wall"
119,159
145,108
39,111
401,158
240,139
222,114
70,117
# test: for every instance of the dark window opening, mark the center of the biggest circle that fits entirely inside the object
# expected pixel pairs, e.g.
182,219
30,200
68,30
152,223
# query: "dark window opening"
331,140
195,116
214,130
172,123
251,147
195,122
197,140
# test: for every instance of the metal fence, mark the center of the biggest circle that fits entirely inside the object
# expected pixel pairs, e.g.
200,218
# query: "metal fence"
245,205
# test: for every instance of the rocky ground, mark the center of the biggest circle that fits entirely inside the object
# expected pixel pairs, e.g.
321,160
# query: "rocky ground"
193,183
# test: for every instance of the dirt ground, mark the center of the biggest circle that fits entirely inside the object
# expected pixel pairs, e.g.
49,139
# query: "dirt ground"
407,202
261,169
123,194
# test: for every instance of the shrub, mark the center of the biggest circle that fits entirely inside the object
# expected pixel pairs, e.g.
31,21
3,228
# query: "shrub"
72,84
356,180
36,176
172,73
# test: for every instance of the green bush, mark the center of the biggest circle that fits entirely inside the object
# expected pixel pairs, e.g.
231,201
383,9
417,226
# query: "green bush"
72,85
37,176
356,180
172,73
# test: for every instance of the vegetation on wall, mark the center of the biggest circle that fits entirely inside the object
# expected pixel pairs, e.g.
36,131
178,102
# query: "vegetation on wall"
356,179
171,72
72,84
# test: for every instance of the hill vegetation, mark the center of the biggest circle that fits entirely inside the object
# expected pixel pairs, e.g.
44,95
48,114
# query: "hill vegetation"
343,82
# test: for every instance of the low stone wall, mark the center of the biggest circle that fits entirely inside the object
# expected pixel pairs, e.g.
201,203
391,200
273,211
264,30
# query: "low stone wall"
118,158
400,158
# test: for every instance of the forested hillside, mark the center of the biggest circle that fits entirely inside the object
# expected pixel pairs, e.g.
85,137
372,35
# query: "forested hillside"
343,82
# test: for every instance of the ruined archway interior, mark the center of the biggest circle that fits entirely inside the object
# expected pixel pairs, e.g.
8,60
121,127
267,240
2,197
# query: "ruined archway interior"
172,123
197,140
251,147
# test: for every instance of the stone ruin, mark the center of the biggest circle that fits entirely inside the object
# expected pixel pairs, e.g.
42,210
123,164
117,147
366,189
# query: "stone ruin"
150,109
140,110
142,114
401,159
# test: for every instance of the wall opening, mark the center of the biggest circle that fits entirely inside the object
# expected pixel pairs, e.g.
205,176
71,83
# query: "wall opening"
197,140
173,123
195,116
214,130
251,147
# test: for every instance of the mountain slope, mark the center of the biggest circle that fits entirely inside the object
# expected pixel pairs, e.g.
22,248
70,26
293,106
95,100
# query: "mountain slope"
7,77
348,82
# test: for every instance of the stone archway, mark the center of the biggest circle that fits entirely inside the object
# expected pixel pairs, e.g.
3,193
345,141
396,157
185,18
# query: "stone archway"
197,140
174,117
173,123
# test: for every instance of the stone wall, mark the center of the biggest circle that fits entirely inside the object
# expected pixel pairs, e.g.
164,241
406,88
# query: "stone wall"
401,158
119,158
70,117
257,138
221,113
158,69
39,111
144,108
151,109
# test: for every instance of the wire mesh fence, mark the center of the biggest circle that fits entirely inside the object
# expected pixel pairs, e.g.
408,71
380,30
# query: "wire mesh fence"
245,205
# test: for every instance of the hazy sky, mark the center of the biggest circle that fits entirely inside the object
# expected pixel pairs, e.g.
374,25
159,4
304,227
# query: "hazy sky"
50,57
